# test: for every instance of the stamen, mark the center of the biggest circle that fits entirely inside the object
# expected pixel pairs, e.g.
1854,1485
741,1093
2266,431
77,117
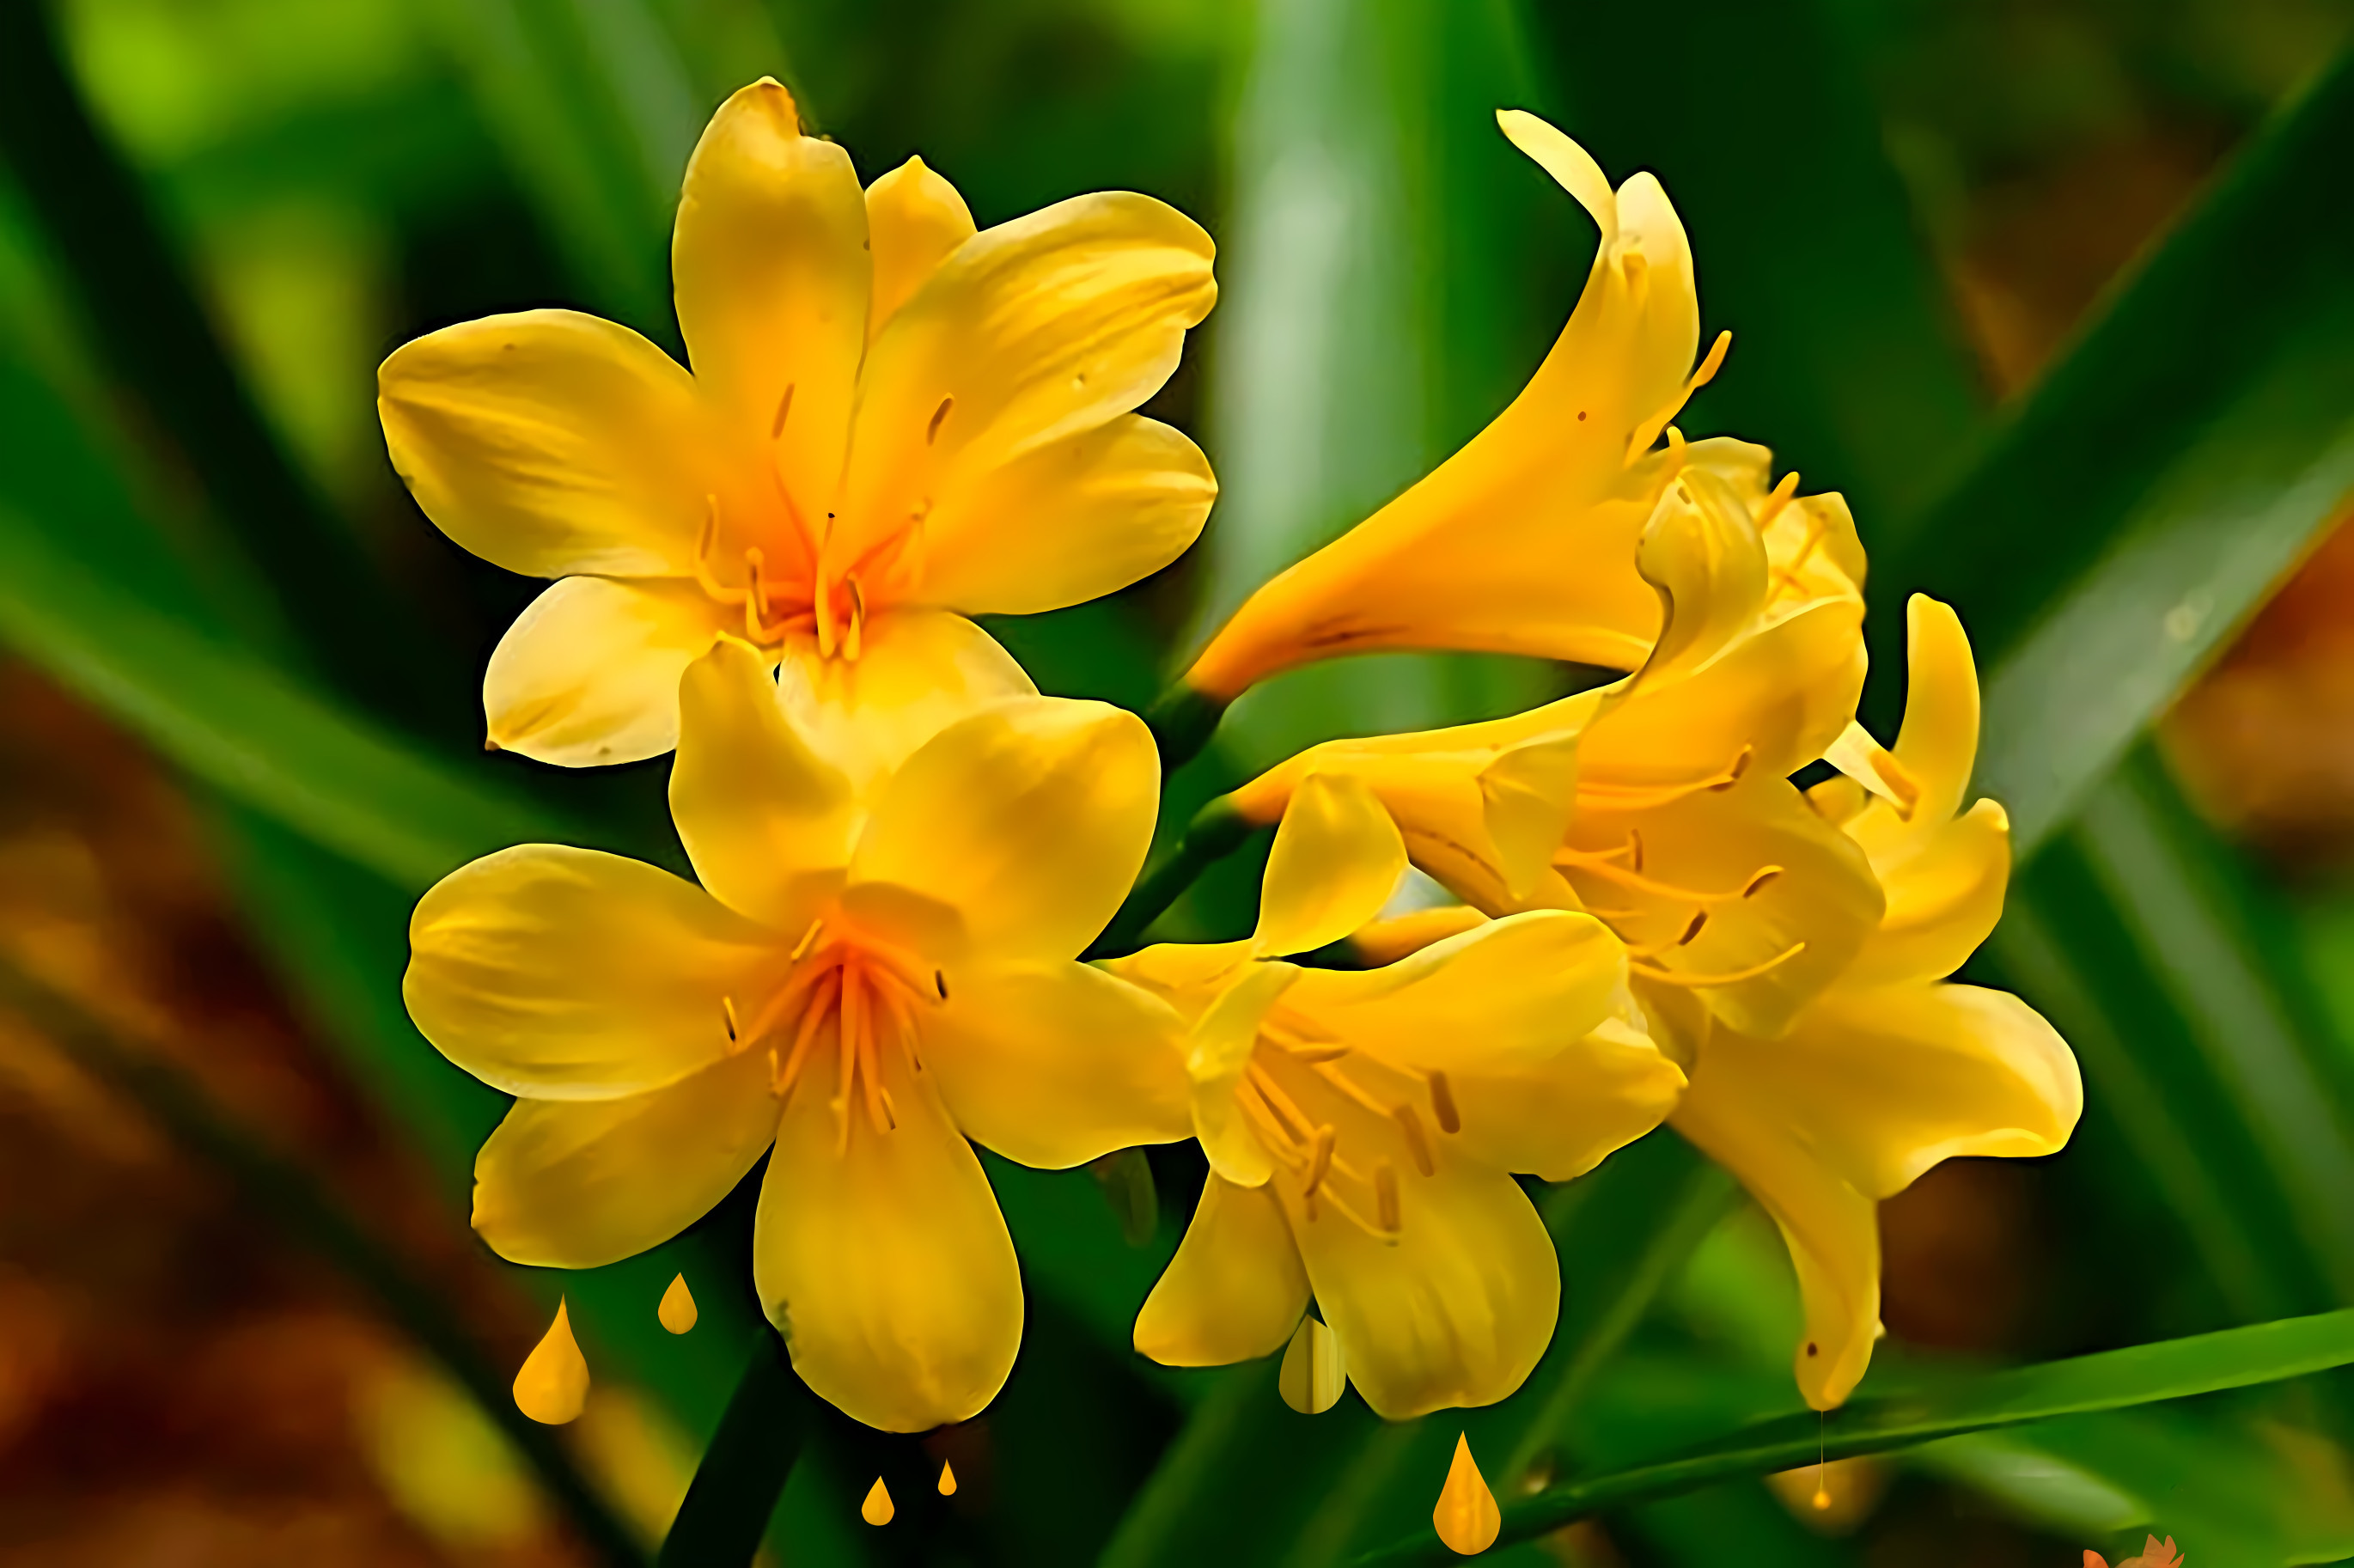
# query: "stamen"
1761,880
821,607
727,1014
1696,982
809,939
1624,878
1296,1122
1417,1141
1308,1055
1699,919
940,983
1733,772
850,644
784,407
1319,1160
1711,365
756,599
1642,796
1442,1101
1349,1087
820,1005
706,543
932,430
1386,1194
870,1054
850,1028
1777,499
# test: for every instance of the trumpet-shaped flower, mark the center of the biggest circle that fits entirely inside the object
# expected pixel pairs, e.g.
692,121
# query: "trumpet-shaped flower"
893,422
1362,1128
1661,804
1891,1070
853,990
1523,542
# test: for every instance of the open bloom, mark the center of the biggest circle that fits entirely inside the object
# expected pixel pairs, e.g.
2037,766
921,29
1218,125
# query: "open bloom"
893,422
1523,542
1891,1070
1362,1128
860,989
1662,803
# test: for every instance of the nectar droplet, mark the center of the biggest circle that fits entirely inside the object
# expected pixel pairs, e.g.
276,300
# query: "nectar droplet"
877,1509
1312,1376
948,1480
1822,1497
1467,1517
553,1382
677,1309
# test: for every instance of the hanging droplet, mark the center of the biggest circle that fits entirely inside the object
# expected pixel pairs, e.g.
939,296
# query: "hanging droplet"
948,1480
1467,1517
1312,1376
877,1508
553,1382
1822,1497
677,1309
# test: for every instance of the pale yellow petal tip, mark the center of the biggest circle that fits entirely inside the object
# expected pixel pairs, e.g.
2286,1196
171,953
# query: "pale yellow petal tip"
1313,1373
1572,166
1467,1517
553,1386
948,1480
877,1509
677,1311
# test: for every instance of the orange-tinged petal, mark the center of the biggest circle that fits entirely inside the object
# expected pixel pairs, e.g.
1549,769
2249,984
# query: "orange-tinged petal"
1054,1064
1217,1052
1235,1290
1030,820
551,442
579,1184
765,820
1029,333
1337,859
914,220
886,1265
919,672
1068,522
588,673
771,272
569,974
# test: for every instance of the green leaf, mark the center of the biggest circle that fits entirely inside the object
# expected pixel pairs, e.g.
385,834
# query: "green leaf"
2111,1379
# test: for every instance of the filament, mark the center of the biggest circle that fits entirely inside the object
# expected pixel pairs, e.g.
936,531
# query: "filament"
1671,977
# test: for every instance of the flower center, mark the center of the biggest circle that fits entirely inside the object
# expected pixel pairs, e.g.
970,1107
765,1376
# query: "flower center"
1623,866
849,999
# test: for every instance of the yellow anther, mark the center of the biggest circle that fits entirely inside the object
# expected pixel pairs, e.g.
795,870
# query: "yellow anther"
1780,497
1319,1158
1418,1142
1385,1196
1442,1101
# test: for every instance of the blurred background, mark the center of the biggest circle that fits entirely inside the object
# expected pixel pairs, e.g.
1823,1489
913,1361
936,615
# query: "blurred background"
218,215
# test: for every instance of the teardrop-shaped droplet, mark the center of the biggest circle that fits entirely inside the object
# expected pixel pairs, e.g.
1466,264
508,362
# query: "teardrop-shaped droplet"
877,1508
677,1309
1312,1376
948,1480
1467,1517
553,1382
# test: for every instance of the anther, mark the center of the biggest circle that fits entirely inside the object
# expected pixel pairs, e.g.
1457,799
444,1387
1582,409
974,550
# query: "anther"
1699,919
784,407
1711,365
1442,1102
1418,1142
1778,499
1320,1159
932,430
940,983
756,597
727,1014
1634,851
852,642
1763,879
1385,1196
1740,766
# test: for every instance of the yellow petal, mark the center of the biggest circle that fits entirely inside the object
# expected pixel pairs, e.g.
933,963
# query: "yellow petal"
1312,1377
1403,936
588,673
1938,743
1455,1310
1235,1289
552,1386
1603,1091
914,220
919,672
678,1312
1465,1516
551,442
562,973
771,271
1029,820
1703,554
1030,333
1337,859
1071,521
765,821
1190,976
579,1184
1870,1090
1573,169
1054,1064
1217,1051
887,1267
1945,893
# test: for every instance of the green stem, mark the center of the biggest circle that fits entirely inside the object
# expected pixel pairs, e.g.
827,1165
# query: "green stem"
1217,831
288,1195
743,1472
1182,720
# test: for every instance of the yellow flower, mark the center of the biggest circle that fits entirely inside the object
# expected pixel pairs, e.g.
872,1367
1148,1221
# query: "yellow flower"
1889,1071
893,422
1362,1128
863,989
1661,804
1523,542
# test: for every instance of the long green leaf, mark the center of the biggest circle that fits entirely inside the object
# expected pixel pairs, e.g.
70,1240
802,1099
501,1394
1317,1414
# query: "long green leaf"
2111,1379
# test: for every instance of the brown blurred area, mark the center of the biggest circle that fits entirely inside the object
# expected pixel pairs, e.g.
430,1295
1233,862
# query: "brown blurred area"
179,1382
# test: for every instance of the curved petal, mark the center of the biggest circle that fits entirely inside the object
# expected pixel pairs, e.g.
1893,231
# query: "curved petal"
1455,1309
1337,859
1598,1094
765,821
1218,1051
551,442
1054,1064
579,1184
883,1260
914,220
1071,521
919,672
771,272
1029,333
1945,895
568,974
1030,820
1235,1290
588,673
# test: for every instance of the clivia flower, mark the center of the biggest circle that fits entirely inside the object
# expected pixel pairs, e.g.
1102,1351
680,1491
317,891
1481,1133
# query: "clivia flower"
857,986
893,422
1362,1126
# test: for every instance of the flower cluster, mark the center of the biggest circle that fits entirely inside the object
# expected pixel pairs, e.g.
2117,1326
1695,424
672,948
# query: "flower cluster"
895,421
